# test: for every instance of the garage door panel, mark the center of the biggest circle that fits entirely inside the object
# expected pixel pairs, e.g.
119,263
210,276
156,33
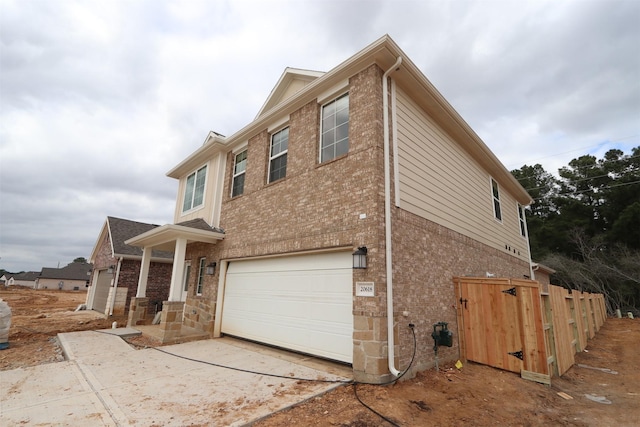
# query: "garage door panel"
300,302
101,293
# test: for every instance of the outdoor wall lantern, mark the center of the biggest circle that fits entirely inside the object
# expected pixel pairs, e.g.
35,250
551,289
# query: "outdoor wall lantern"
360,258
211,268
110,269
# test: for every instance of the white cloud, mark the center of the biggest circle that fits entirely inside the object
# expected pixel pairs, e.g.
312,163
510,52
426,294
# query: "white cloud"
100,99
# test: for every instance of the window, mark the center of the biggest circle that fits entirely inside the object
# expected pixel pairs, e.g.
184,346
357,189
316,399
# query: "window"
239,168
201,269
194,192
278,155
185,279
523,224
496,200
335,128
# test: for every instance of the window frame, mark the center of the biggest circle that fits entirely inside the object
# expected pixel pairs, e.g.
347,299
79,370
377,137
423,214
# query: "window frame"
201,270
235,175
196,175
321,145
280,154
522,220
495,198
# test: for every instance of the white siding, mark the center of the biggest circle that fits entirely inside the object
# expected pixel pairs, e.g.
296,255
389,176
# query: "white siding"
210,209
441,182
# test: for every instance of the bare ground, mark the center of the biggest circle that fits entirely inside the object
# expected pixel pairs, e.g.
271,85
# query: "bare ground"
36,318
602,389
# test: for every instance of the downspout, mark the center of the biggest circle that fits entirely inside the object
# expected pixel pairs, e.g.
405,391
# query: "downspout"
387,217
115,286
532,274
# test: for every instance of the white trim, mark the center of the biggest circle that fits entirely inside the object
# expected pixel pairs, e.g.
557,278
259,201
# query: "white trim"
240,148
280,123
234,175
522,221
493,199
334,92
195,180
201,273
334,99
280,154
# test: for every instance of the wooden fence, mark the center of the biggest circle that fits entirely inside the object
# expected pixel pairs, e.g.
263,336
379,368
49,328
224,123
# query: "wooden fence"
570,320
518,326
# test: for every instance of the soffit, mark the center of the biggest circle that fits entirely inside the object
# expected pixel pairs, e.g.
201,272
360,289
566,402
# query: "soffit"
164,237
384,52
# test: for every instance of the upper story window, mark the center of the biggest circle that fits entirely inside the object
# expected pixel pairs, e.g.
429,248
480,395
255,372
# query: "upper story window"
278,155
521,217
497,211
239,169
194,192
335,128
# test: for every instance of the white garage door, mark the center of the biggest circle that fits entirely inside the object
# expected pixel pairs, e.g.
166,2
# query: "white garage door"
302,302
102,291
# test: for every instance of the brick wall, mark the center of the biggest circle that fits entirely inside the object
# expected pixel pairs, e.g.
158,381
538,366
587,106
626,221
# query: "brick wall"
426,257
319,206
315,206
158,282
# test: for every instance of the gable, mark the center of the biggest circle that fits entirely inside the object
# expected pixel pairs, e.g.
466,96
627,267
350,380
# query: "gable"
291,82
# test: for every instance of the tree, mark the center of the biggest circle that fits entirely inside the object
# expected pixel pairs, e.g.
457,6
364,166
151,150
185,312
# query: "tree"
586,224
613,272
543,189
82,260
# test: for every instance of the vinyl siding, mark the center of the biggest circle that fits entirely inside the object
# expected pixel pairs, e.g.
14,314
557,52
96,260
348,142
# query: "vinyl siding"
441,182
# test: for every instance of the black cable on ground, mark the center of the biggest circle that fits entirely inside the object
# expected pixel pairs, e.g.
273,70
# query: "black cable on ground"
355,383
248,371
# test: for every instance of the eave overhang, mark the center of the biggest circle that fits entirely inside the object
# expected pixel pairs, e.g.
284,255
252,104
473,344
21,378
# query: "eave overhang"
164,237
384,52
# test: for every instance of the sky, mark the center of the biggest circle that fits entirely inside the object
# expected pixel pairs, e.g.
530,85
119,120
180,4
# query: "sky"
99,99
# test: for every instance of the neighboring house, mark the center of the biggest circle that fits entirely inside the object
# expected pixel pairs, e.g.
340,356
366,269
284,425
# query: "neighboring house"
542,274
365,161
73,277
4,279
116,269
27,279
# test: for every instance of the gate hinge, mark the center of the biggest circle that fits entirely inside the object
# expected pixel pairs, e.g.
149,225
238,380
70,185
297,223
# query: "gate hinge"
511,291
517,354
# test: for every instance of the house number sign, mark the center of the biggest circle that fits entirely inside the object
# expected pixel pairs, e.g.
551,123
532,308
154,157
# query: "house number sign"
365,289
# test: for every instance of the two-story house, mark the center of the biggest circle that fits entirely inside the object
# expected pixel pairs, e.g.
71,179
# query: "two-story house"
338,217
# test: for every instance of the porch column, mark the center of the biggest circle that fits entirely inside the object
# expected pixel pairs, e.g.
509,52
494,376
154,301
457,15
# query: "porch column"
144,272
175,291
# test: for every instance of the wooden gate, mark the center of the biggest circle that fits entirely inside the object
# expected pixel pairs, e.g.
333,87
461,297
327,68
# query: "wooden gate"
500,324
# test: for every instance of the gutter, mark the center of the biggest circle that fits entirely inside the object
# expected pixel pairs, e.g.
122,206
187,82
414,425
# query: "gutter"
387,217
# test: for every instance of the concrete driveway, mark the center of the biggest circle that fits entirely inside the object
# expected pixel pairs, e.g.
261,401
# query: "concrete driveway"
107,382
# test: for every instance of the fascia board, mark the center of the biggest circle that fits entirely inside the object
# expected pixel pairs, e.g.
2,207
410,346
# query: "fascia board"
451,121
171,232
283,83
103,232
383,52
139,258
378,52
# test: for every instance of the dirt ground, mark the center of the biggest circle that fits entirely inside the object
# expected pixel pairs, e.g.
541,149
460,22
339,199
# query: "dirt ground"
36,319
602,389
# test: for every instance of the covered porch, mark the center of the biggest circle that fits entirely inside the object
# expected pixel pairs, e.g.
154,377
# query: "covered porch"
170,237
